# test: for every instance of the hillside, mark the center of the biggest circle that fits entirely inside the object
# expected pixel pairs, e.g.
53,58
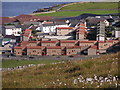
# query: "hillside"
93,73
80,8
92,5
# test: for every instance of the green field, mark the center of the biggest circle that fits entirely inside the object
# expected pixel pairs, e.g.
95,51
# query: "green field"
95,5
62,75
14,63
84,7
77,13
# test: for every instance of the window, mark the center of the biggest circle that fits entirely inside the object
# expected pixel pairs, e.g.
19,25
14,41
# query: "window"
73,50
105,44
34,50
54,51
48,44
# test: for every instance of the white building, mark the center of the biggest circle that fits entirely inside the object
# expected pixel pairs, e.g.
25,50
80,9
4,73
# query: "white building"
117,33
50,27
12,30
106,23
101,31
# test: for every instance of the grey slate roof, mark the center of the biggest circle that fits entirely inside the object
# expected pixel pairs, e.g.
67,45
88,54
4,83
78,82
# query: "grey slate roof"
48,24
10,27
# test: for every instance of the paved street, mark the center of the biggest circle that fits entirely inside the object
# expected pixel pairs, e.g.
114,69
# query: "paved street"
77,57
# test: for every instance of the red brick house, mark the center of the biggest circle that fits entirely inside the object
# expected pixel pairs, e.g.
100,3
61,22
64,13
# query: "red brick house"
73,50
49,43
34,50
93,50
63,31
81,32
86,43
54,50
18,50
33,43
68,42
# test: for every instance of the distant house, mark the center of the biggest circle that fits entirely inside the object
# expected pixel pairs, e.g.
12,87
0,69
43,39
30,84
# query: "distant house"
18,50
64,31
33,43
34,50
81,32
68,42
9,20
73,50
9,39
49,43
101,31
93,50
27,34
7,48
30,18
32,23
92,21
103,45
117,32
86,43
54,50
50,27
13,30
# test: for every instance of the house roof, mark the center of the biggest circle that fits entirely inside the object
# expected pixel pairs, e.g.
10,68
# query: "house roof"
54,47
7,20
93,47
28,30
60,23
22,18
31,22
48,41
64,27
72,47
95,20
86,41
49,24
10,36
81,24
34,47
101,41
24,43
33,41
10,27
18,47
68,41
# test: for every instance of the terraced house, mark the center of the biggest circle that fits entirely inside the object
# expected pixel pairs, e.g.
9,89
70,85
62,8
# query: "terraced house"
63,47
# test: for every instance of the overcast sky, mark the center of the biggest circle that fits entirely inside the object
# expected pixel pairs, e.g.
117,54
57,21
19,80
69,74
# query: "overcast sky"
55,0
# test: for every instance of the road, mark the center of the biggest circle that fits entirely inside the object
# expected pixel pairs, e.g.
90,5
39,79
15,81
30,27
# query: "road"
77,57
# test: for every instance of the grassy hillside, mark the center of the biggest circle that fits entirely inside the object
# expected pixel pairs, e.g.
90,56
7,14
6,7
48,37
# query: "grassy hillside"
65,75
92,5
86,7
77,13
14,63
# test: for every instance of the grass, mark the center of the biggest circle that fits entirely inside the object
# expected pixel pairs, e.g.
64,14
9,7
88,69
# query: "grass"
95,5
77,13
62,75
14,63
83,6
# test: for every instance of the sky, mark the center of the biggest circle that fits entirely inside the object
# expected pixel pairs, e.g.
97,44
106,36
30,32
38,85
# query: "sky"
57,0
